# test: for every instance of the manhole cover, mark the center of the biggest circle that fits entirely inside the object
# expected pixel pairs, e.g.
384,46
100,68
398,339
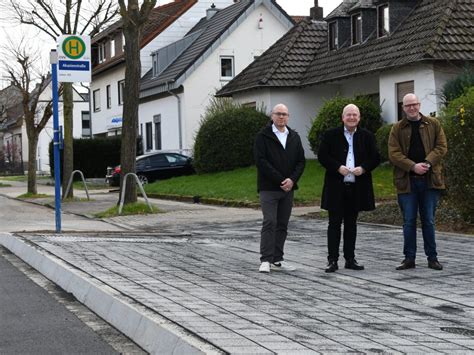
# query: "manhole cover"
460,331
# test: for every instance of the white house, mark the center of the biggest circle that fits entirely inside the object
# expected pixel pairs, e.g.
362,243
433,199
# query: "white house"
13,137
167,23
186,74
380,48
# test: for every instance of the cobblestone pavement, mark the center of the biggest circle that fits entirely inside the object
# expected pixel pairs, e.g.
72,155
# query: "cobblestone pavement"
201,273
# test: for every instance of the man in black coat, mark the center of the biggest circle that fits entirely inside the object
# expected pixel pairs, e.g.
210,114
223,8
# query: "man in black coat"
348,154
280,160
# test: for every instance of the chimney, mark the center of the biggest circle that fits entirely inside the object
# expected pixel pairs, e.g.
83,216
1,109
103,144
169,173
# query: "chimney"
211,11
316,12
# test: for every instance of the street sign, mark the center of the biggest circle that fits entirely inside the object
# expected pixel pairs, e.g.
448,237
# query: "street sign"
74,58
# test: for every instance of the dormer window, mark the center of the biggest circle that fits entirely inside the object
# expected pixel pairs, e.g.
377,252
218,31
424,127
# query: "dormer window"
155,64
332,36
383,23
101,52
112,48
356,29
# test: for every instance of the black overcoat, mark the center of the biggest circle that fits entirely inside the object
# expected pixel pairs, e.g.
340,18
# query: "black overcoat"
332,154
275,163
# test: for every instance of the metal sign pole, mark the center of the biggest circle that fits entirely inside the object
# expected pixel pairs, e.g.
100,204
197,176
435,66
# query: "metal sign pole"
56,142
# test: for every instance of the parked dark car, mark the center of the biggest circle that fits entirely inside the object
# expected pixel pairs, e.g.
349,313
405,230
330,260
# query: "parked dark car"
156,166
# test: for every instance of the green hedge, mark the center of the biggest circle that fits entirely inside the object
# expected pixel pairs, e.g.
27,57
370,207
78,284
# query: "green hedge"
381,136
459,85
458,122
92,156
330,116
226,137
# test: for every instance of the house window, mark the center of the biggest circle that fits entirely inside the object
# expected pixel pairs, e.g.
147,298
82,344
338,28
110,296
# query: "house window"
404,88
157,123
155,64
120,89
149,136
123,42
86,124
227,68
251,104
112,48
109,98
101,52
96,100
383,21
332,36
356,29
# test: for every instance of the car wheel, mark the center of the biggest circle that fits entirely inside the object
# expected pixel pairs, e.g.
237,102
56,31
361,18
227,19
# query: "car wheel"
143,179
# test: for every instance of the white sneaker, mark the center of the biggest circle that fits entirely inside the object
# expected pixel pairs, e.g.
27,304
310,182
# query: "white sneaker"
282,266
264,267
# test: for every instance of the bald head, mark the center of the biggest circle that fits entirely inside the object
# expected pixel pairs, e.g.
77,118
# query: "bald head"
411,107
351,117
280,117
350,107
279,107
411,98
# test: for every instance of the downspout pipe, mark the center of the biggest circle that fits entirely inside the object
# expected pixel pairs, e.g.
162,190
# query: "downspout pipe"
180,131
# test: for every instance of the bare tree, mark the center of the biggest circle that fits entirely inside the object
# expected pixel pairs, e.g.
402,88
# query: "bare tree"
36,114
134,18
64,17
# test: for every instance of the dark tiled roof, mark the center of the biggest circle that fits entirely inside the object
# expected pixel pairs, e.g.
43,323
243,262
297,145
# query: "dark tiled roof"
164,14
435,30
160,18
212,30
284,63
342,10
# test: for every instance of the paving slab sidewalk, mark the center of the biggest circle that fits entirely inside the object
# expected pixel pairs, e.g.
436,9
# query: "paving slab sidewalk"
186,281
200,285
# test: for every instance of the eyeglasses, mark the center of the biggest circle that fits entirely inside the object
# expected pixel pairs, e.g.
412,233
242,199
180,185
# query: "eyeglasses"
281,114
411,105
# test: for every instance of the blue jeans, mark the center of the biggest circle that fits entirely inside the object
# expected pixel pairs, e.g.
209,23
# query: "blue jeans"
422,199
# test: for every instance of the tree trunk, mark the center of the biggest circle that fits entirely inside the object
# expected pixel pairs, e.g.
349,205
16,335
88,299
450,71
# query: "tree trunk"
32,146
68,153
130,110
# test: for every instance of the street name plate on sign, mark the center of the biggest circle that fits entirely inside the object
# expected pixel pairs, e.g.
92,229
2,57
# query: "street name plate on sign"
74,58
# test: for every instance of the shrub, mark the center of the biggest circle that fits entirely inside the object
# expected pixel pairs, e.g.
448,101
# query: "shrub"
381,136
226,137
330,116
458,121
458,86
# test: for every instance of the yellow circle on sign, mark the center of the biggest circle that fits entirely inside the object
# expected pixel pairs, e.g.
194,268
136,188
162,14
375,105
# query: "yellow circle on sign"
74,47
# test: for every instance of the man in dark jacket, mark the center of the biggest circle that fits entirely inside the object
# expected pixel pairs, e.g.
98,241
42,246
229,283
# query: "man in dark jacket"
280,160
349,154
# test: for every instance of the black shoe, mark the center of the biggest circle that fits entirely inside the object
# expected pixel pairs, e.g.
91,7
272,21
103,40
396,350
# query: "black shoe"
435,265
332,266
406,264
353,265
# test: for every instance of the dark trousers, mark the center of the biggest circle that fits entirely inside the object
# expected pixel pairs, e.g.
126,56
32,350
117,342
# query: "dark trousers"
276,208
347,214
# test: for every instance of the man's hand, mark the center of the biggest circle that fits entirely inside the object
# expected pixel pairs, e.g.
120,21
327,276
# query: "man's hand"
421,168
344,170
358,171
286,185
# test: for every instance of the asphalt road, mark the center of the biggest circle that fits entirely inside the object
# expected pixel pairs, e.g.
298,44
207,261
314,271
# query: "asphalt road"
37,317
32,321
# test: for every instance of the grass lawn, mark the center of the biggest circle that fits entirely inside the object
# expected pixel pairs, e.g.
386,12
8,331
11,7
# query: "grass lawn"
240,185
